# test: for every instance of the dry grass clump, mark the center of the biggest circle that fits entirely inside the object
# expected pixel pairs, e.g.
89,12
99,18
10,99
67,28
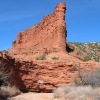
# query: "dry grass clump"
60,92
77,93
7,91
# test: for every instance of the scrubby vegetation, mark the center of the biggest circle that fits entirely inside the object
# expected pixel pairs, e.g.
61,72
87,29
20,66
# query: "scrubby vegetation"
7,91
77,93
88,88
89,51
93,78
55,58
87,58
41,58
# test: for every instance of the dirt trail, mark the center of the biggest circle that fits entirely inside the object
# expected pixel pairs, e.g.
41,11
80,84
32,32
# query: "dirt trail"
34,96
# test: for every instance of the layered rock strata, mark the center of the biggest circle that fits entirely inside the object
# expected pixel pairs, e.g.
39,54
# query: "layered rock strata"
49,36
42,76
46,37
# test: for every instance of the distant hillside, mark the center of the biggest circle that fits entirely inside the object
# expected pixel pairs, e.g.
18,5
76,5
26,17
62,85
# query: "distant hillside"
86,51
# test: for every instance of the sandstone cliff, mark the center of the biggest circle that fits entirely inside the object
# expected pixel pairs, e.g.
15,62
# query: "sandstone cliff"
41,76
46,37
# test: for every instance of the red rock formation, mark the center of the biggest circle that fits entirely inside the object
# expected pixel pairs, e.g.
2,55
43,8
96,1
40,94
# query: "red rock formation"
47,36
42,76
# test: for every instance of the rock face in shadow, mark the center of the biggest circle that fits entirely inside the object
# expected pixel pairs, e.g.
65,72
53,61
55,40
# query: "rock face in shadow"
42,76
46,37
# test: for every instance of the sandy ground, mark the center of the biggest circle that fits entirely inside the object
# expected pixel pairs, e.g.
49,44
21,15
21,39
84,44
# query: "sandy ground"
34,96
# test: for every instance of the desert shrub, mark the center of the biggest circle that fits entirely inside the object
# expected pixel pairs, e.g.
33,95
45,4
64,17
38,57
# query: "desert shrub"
60,92
87,58
77,93
97,58
7,91
41,58
92,79
77,82
88,77
55,58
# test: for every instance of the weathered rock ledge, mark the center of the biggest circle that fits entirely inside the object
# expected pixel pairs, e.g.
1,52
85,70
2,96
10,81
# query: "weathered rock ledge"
42,76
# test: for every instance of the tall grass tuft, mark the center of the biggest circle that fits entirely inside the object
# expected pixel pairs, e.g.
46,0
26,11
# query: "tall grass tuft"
7,91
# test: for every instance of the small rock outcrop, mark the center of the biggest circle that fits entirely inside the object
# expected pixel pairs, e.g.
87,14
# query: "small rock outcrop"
46,37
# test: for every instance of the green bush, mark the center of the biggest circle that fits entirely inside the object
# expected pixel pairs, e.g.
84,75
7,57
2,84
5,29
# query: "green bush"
87,58
41,58
55,58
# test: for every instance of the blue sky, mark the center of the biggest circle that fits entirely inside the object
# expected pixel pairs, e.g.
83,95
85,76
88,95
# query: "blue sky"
82,18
